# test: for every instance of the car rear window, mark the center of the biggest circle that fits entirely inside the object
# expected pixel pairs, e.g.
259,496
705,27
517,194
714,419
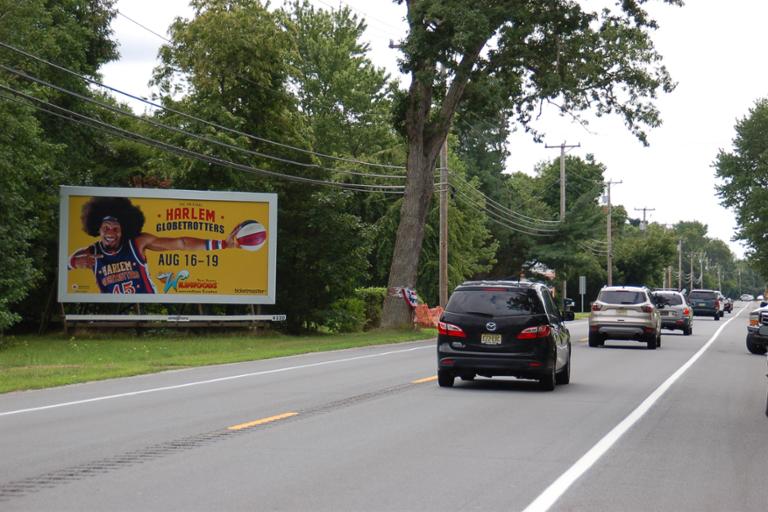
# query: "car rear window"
495,302
703,295
670,299
621,297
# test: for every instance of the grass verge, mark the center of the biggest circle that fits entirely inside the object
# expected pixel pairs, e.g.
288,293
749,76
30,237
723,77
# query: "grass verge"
34,362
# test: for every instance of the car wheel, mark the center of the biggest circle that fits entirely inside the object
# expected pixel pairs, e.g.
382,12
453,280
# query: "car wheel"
594,339
564,375
547,383
717,317
688,331
651,341
754,347
445,378
658,340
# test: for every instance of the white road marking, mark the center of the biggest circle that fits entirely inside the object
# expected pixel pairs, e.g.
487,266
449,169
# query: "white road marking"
212,381
553,493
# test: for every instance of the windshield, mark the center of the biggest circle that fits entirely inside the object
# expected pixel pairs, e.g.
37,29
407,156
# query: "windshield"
621,297
495,302
669,299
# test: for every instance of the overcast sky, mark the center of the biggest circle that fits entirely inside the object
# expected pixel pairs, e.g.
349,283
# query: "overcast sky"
716,51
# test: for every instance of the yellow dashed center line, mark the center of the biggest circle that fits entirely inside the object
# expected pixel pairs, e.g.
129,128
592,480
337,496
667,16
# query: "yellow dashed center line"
262,421
427,379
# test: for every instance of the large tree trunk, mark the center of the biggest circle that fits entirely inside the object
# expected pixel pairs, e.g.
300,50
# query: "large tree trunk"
424,140
410,233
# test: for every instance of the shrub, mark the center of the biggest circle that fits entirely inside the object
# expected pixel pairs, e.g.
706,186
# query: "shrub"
346,315
373,298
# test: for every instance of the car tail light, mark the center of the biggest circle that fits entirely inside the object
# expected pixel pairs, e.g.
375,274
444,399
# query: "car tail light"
717,304
686,311
647,308
596,307
531,333
451,330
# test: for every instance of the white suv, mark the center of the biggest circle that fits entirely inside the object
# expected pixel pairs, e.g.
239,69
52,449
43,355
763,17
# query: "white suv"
625,313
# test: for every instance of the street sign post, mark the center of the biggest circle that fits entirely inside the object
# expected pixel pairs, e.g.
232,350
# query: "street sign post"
582,290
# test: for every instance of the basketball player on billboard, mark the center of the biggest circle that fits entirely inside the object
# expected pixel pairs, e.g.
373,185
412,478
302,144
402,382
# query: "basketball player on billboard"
118,258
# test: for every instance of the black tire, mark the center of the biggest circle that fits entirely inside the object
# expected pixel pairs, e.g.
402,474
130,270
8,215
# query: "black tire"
564,375
651,340
445,378
594,339
688,331
717,317
754,347
658,340
547,382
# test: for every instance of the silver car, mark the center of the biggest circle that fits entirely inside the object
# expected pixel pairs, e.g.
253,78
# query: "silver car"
624,313
676,313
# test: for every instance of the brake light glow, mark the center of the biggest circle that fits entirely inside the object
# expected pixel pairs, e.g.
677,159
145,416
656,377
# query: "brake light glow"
647,308
597,307
686,311
532,333
451,330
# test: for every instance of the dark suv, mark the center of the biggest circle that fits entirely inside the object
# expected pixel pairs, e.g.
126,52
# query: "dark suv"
494,328
707,303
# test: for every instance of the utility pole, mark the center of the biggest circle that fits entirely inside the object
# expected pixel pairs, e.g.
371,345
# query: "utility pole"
693,274
680,265
443,278
563,147
609,263
644,210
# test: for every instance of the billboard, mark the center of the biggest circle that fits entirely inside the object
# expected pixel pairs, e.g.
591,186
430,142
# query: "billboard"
129,245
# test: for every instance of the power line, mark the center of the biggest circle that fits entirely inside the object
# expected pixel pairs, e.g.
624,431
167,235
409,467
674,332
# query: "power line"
458,180
194,118
499,219
145,28
157,124
45,106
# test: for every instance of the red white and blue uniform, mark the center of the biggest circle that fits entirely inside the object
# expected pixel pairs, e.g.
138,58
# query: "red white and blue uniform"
123,270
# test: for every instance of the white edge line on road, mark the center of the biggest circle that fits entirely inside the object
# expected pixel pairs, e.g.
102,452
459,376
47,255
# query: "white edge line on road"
552,493
211,381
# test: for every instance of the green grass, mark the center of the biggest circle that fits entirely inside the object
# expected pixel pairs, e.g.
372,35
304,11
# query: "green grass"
579,316
34,362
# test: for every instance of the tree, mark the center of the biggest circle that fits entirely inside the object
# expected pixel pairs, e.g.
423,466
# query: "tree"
235,61
744,172
541,51
39,151
641,257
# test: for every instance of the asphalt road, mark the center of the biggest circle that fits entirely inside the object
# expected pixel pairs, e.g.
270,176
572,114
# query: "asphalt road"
681,428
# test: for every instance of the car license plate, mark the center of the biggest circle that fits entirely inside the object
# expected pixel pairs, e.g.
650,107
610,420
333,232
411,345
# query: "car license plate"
490,339
666,313
702,304
621,312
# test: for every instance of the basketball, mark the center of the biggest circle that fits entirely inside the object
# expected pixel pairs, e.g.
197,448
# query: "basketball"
251,235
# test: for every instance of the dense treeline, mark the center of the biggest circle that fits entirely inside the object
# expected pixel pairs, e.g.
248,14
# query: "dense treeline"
301,99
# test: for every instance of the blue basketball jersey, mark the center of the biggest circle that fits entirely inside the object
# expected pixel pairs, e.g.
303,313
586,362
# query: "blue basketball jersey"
122,271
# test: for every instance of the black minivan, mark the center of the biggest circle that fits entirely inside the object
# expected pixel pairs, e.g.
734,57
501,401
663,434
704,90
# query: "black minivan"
510,328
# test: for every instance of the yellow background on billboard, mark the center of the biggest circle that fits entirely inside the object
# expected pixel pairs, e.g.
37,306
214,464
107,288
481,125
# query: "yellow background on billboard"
218,272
